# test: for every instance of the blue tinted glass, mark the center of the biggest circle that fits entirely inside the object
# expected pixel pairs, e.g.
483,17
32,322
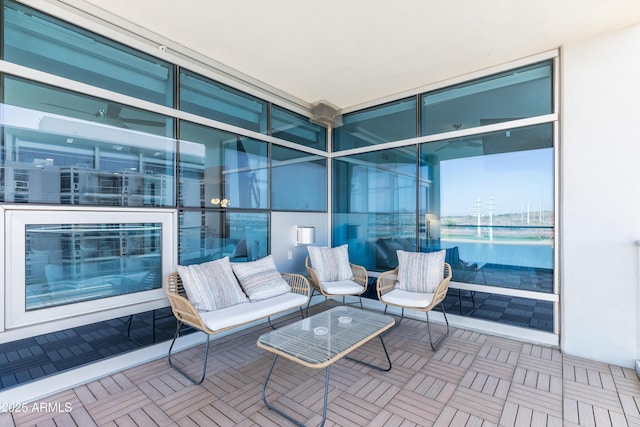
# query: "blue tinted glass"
209,235
219,169
69,263
375,202
520,312
299,180
516,94
205,97
55,150
389,122
39,41
489,201
297,128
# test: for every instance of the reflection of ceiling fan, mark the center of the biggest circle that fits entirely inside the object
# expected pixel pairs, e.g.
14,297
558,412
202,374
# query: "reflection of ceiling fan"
111,115
460,143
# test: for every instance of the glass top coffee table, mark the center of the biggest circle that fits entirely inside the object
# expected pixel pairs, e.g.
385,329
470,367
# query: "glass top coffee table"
321,340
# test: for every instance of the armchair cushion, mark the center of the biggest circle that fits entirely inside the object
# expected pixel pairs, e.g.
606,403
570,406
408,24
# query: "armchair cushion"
331,264
260,279
342,287
407,299
420,272
211,285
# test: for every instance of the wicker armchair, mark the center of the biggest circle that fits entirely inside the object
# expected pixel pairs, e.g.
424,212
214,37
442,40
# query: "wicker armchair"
389,296
357,287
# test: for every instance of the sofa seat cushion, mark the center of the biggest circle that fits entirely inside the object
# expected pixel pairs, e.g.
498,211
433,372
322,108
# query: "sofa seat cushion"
407,299
247,312
342,287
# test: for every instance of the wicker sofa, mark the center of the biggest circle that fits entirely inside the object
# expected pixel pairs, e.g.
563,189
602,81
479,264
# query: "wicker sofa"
223,319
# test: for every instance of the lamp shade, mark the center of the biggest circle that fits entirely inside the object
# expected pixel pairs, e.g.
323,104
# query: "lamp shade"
305,235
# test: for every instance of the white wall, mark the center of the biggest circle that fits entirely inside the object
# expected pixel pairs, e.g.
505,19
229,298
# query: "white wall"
600,200
288,257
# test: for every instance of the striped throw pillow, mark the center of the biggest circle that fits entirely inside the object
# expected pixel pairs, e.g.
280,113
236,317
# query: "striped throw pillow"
420,272
211,285
331,264
260,279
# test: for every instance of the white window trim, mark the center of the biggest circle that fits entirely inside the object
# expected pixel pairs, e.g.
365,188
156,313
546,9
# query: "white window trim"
15,219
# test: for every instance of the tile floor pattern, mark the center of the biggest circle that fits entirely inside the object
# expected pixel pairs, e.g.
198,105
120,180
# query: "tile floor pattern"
33,358
473,380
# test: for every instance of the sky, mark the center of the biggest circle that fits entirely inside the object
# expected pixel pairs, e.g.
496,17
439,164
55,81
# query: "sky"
508,181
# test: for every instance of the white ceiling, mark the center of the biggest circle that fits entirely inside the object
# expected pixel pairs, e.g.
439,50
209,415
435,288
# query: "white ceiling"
350,52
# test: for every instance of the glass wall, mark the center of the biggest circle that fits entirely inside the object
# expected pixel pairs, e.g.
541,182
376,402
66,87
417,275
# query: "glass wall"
221,169
516,311
207,235
296,128
385,123
374,198
299,180
489,201
208,98
55,150
39,41
516,94
222,172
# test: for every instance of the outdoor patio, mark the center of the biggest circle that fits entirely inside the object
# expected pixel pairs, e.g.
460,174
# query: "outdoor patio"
474,379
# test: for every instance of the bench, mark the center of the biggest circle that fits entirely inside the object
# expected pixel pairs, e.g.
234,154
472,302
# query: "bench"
223,319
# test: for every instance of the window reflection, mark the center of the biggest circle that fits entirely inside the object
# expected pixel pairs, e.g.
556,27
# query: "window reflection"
385,123
69,263
207,98
494,99
296,128
42,42
516,311
375,205
488,200
218,165
210,235
62,159
299,180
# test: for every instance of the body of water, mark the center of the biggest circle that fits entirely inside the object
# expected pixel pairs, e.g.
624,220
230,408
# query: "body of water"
538,255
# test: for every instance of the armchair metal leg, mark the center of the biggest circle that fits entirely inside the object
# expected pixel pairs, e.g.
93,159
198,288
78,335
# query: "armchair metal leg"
206,354
435,346
401,316
313,291
353,303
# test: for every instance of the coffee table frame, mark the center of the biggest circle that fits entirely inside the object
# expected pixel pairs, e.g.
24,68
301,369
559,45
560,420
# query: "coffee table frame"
298,342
